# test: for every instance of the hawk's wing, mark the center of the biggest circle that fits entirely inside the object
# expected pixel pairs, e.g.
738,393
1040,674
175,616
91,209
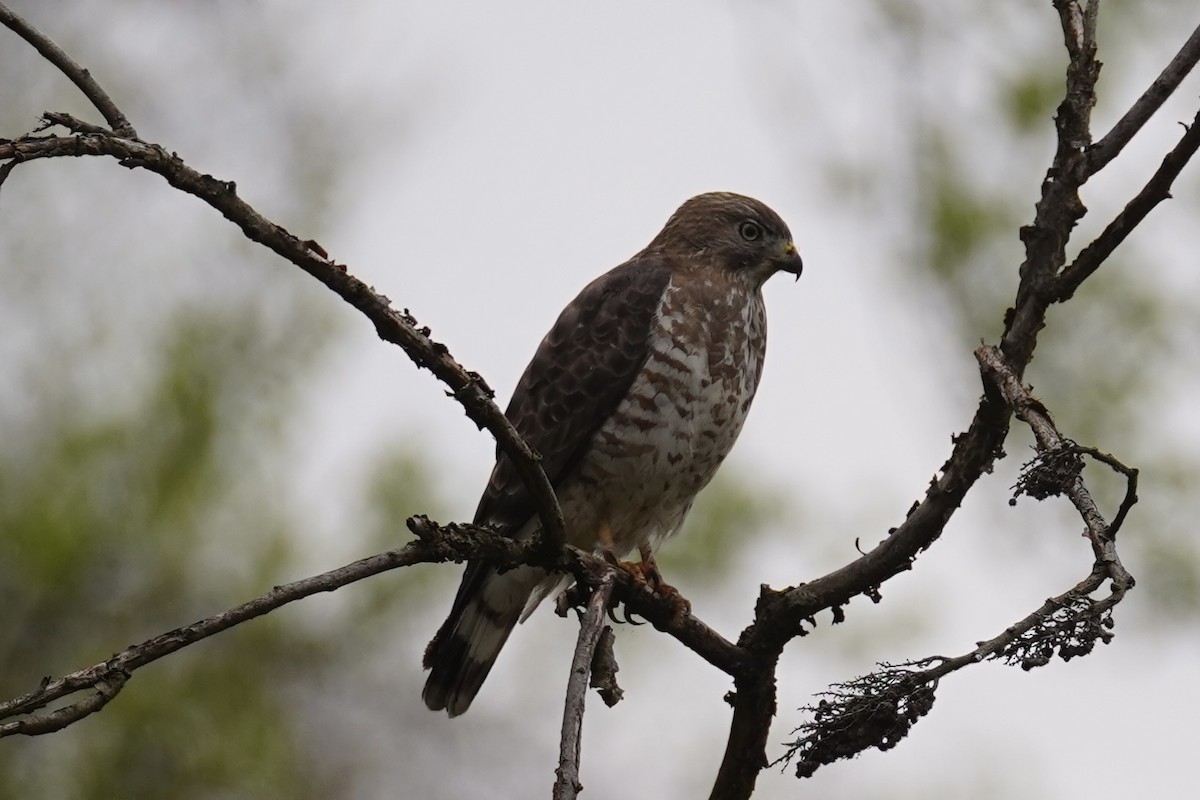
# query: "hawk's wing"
579,375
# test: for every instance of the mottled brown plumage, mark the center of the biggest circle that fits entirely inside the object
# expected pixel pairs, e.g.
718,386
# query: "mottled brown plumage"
633,399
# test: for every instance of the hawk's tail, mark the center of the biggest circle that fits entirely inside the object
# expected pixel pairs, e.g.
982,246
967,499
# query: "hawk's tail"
462,653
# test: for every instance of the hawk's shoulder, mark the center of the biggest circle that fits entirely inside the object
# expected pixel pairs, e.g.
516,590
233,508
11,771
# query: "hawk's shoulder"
577,378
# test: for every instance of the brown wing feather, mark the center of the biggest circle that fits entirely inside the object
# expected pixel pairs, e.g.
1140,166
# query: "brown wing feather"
577,377
581,371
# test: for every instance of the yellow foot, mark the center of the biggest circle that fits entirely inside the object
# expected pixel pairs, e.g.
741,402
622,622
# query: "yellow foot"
646,573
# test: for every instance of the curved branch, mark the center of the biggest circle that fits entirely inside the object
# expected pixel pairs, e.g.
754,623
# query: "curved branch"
391,326
1050,441
72,69
877,710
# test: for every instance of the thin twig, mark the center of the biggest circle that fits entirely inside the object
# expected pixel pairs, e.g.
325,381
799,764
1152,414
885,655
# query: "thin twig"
436,544
6,170
1131,485
1030,411
71,123
72,69
1156,190
566,783
1113,142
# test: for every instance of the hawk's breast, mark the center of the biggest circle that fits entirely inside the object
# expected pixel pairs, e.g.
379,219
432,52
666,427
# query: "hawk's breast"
679,420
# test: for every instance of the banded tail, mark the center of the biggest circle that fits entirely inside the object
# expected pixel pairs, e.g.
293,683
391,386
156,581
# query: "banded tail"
486,609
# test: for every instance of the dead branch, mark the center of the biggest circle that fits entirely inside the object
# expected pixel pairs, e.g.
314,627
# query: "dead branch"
72,69
566,783
435,543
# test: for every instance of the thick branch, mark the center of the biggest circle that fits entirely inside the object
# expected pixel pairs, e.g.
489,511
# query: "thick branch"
69,67
781,614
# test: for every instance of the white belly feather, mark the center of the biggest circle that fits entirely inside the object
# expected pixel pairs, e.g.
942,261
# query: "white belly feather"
680,419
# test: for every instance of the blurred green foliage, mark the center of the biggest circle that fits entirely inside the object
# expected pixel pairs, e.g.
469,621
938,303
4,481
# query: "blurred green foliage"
119,528
107,525
148,401
729,512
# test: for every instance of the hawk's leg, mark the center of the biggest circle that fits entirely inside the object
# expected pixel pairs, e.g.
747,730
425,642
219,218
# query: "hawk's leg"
646,573
608,555
652,577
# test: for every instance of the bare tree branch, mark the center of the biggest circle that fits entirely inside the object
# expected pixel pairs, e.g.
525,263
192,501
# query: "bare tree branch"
468,388
1070,481
877,710
451,543
436,543
1151,100
71,68
1156,190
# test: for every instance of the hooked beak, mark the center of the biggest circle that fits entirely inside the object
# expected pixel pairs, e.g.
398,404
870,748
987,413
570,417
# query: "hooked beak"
789,260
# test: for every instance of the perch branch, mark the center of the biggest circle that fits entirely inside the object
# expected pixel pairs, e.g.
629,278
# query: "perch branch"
434,543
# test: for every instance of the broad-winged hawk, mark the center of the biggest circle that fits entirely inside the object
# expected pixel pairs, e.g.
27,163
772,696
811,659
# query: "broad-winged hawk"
633,399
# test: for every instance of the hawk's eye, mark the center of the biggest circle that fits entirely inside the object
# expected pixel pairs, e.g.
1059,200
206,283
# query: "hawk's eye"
750,231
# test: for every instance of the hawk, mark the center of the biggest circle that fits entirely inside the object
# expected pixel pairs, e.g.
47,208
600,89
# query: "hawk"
633,399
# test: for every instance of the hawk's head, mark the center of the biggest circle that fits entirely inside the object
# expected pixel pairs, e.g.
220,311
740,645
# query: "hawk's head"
731,232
